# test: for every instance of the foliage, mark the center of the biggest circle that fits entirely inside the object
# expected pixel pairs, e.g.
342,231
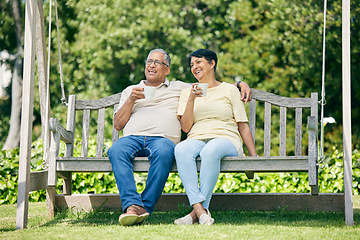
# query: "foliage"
330,177
9,169
275,46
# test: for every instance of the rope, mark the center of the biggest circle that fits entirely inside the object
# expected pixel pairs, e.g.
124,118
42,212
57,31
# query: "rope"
63,98
323,101
44,165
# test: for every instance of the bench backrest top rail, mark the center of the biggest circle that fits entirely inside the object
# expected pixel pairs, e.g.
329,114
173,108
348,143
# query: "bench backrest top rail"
257,95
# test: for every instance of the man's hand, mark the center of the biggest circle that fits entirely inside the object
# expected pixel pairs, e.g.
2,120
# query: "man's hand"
136,93
245,92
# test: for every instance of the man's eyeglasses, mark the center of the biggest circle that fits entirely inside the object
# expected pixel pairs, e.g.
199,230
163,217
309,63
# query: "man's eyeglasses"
156,62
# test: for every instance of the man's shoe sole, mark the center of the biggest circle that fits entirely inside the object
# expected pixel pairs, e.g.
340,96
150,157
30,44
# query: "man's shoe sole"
132,219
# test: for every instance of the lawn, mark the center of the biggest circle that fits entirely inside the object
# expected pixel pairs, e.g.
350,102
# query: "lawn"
228,225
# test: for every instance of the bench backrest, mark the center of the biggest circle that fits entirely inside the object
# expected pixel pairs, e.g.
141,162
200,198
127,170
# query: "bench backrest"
268,100
271,101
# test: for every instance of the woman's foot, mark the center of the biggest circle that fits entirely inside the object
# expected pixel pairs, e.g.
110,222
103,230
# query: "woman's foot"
189,219
203,215
205,219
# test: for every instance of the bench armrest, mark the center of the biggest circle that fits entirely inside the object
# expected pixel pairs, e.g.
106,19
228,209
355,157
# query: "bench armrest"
65,135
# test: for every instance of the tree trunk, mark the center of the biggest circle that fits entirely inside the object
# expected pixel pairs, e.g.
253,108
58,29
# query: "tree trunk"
13,138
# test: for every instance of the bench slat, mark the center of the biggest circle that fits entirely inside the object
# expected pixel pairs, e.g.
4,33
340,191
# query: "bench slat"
70,125
228,164
281,101
267,129
85,133
252,117
100,133
98,103
115,133
282,131
298,131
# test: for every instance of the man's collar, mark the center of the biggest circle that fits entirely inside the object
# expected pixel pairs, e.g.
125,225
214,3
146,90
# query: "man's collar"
166,83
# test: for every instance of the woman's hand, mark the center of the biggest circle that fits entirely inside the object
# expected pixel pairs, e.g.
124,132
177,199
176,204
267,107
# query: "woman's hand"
195,92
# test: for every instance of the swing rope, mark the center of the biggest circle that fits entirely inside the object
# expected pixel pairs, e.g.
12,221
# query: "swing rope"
63,97
322,101
44,165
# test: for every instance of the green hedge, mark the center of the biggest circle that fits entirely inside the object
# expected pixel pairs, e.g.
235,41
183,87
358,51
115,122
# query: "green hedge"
330,178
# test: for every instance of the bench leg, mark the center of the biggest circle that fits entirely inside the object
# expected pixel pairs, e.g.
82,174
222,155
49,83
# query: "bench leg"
315,188
50,199
66,176
250,175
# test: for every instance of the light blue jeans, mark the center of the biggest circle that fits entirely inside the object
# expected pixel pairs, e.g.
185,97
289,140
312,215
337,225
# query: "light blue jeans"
211,153
160,152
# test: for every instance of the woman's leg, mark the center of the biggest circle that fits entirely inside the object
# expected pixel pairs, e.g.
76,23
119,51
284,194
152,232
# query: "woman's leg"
211,156
185,155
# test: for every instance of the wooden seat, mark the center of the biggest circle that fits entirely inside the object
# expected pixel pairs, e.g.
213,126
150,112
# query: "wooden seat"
303,157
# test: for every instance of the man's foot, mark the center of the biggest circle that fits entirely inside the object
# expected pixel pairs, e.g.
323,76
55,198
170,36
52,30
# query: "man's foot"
134,215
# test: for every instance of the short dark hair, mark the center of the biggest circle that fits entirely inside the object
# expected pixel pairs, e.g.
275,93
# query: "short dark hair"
205,53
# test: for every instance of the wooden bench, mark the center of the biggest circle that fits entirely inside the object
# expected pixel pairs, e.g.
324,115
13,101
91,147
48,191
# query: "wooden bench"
303,157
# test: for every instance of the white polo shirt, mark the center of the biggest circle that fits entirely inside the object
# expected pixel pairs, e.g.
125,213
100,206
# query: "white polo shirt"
156,117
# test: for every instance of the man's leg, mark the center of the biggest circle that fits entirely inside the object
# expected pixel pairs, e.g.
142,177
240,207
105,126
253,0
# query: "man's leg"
160,152
121,155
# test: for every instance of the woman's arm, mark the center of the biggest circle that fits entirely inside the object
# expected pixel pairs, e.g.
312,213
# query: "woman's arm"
247,138
187,119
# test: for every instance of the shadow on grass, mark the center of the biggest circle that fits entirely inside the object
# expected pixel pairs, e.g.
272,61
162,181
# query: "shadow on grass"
278,217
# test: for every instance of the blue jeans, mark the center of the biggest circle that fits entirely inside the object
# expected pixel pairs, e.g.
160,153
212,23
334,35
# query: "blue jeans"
160,152
211,153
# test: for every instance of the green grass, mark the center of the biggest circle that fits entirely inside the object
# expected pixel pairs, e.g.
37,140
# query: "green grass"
228,225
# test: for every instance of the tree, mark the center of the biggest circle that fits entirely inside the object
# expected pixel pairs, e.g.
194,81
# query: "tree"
13,139
275,46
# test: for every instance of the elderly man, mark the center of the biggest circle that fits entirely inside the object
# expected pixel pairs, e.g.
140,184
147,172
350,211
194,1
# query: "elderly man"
151,129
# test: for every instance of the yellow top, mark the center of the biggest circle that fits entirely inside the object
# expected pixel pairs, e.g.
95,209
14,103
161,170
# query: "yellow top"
217,114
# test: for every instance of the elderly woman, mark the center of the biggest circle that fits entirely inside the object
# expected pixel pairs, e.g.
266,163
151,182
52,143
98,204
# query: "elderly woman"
215,124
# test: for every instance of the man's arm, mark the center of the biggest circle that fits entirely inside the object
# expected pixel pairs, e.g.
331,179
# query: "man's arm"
123,114
245,91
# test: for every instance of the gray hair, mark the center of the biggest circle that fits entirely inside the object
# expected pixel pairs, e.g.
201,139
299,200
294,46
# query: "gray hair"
167,58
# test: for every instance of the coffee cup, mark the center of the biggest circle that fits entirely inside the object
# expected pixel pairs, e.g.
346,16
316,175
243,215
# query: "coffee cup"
201,87
149,92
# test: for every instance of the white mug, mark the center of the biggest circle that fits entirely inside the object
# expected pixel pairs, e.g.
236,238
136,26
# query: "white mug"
149,92
201,87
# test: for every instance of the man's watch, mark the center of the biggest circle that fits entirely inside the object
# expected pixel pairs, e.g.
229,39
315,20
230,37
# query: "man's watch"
238,84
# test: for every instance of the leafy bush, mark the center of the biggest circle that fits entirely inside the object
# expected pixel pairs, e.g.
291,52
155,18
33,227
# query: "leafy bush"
330,178
9,169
